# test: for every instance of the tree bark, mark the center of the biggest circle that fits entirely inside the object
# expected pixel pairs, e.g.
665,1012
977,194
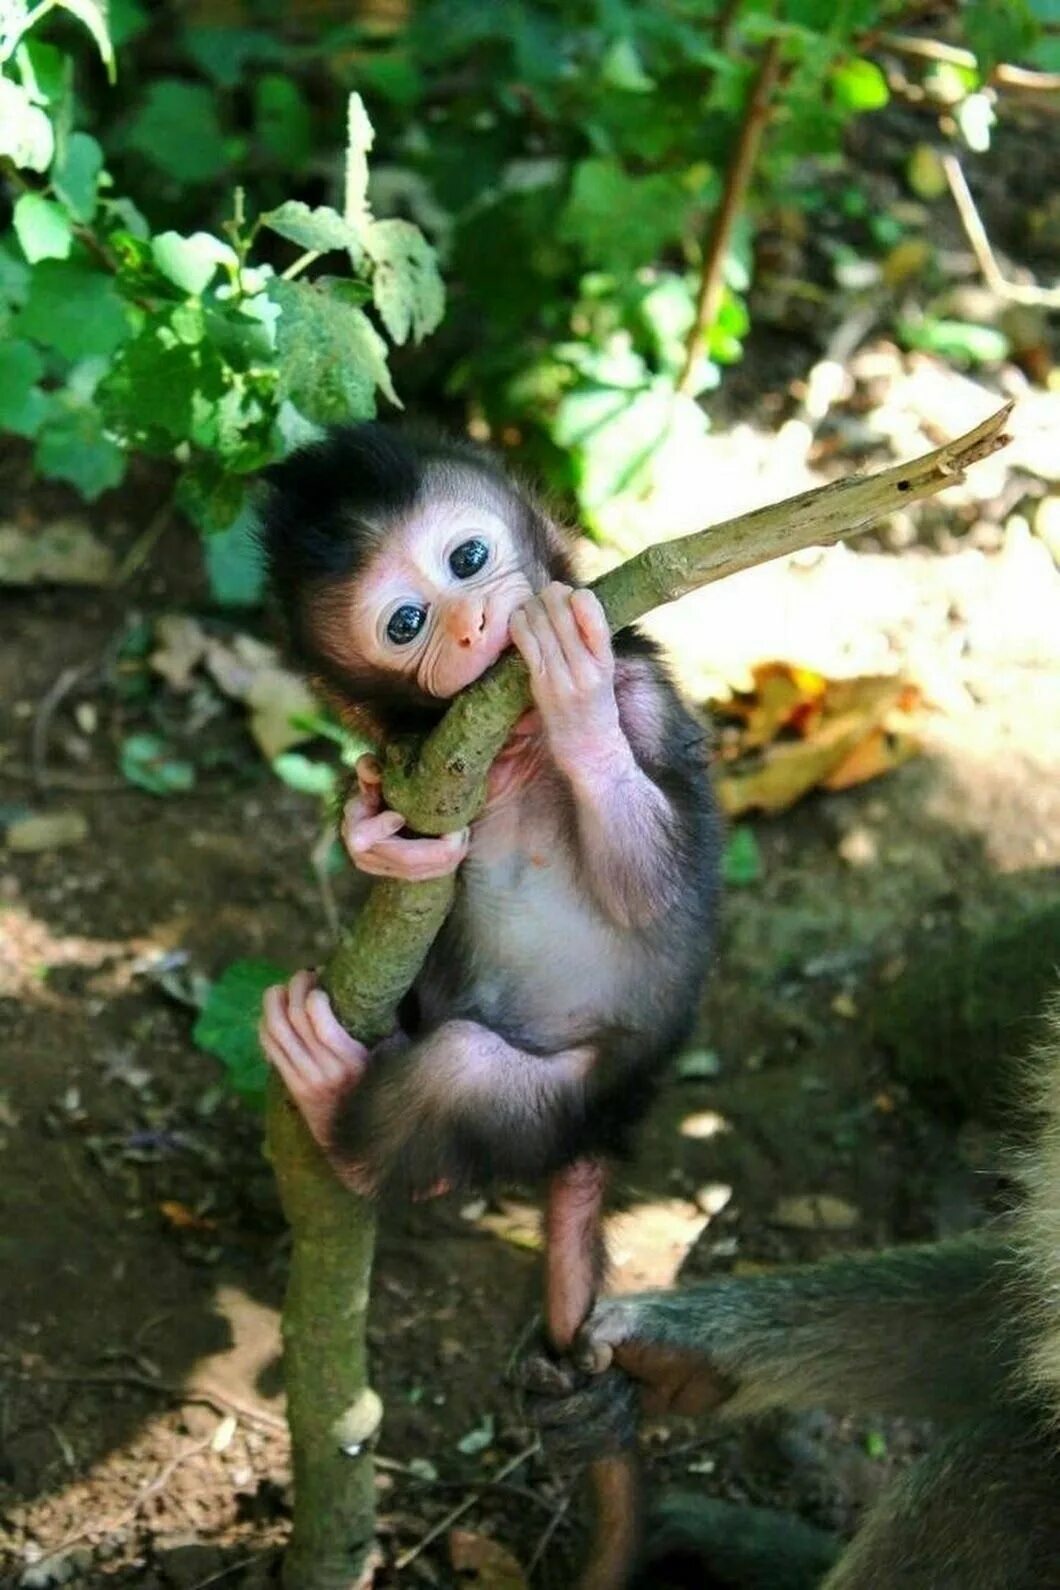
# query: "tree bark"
439,786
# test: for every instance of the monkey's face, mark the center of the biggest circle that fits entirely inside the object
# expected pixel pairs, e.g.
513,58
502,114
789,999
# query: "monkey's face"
434,603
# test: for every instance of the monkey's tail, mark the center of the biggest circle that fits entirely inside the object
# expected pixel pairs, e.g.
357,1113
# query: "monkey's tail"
1038,1226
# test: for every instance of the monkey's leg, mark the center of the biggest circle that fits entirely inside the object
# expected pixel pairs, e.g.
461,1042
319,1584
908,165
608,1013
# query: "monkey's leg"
923,1331
574,1257
978,1513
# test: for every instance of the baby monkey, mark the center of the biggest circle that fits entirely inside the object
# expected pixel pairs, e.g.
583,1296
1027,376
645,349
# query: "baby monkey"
569,970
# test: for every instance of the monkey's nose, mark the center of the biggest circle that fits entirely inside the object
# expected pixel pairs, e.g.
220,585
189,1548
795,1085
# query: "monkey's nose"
466,621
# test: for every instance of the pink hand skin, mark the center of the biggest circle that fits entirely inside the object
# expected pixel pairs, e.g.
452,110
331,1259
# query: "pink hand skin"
624,819
369,833
299,1032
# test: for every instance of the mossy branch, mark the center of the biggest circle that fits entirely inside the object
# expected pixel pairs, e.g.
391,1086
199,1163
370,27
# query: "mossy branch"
439,786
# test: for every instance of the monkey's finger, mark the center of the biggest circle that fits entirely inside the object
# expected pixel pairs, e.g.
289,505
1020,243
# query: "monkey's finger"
369,773
292,1058
556,599
350,1056
524,642
332,1063
591,620
362,834
553,666
416,860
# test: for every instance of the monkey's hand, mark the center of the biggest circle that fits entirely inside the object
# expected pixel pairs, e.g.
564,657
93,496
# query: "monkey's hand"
369,833
317,1059
578,1415
563,638
647,1335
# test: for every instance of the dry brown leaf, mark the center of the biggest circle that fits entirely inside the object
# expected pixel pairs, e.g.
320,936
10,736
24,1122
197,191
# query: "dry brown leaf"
67,553
493,1566
47,831
182,645
181,1218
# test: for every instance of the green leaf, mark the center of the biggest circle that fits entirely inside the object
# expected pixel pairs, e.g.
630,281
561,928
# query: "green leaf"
622,68
960,340
305,775
620,221
332,359
235,564
859,86
191,262
14,279
360,136
22,404
73,308
26,135
42,228
93,15
228,1024
998,30
178,131
147,761
322,229
406,284
75,175
282,120
73,447
742,861
224,53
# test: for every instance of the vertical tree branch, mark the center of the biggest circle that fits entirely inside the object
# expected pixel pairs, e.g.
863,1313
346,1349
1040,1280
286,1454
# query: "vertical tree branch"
737,180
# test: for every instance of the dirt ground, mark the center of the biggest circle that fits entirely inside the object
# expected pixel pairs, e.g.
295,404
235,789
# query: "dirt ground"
143,1253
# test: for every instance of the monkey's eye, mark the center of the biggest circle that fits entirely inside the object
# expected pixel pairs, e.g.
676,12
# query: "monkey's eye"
405,624
470,556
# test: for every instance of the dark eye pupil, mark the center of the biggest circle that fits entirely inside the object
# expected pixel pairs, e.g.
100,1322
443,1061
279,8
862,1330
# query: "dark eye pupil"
406,624
468,558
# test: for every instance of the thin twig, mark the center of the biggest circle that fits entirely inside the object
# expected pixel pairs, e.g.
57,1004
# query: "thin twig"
463,1507
234,1567
737,180
49,704
220,1401
1004,74
144,544
559,1516
975,232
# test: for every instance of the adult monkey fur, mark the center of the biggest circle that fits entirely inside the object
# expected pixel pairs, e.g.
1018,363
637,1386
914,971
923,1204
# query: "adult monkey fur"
965,1332
569,970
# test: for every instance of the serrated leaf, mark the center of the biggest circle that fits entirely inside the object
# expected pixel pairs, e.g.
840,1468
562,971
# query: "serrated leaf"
93,15
73,308
75,175
22,404
191,262
42,228
26,135
332,359
228,1025
360,136
72,446
322,229
178,131
406,284
147,761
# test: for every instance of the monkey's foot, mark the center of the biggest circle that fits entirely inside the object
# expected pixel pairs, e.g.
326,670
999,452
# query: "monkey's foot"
318,1061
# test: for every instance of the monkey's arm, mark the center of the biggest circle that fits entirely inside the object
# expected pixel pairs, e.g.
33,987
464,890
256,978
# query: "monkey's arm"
606,726
926,1331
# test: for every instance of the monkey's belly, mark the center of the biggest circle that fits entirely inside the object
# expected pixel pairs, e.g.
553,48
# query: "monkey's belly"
530,961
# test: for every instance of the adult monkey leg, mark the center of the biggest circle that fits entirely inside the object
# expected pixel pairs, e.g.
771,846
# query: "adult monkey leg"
574,1262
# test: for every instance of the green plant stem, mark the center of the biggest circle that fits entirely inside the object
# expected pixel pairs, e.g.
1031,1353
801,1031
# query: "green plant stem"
439,786
737,181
